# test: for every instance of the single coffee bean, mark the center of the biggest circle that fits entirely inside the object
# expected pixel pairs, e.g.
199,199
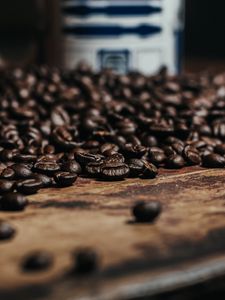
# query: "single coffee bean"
114,171
7,231
6,186
21,171
25,158
157,158
8,174
86,261
136,167
149,171
115,158
85,158
220,149
93,169
37,261
134,151
146,211
71,166
192,155
29,186
213,161
175,162
47,167
13,202
64,179
45,180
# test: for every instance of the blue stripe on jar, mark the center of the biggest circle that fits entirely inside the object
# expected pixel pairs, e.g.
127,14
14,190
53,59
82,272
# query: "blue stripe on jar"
123,10
111,31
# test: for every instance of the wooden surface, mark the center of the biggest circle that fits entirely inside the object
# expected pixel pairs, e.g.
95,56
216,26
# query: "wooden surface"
184,246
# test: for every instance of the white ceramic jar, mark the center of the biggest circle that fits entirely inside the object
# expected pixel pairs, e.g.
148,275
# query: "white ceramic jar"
123,35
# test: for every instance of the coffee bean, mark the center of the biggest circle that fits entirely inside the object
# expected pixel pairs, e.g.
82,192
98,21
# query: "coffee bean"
115,158
136,167
192,156
64,179
86,261
6,186
29,186
46,167
146,211
149,170
21,171
37,261
85,158
45,180
71,166
7,232
114,171
175,162
8,174
220,149
13,202
213,161
93,169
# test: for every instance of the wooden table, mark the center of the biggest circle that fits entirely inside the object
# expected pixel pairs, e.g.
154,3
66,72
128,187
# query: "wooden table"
185,246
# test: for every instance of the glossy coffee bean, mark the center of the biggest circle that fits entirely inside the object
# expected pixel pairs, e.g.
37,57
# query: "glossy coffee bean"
146,211
13,202
29,186
175,162
114,171
21,171
213,161
192,155
149,171
136,167
86,261
37,261
64,179
48,168
8,174
6,186
71,166
7,231
45,180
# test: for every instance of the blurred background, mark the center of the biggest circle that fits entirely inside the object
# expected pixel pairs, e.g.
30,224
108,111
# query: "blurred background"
27,33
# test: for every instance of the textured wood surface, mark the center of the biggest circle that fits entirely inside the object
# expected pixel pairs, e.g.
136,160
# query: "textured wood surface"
185,245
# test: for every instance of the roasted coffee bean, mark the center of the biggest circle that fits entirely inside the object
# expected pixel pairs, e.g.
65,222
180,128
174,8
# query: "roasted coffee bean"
64,179
46,167
149,170
85,158
115,158
114,171
93,169
157,158
45,180
213,161
146,211
29,186
7,231
136,167
175,162
25,158
220,149
13,202
71,166
6,186
134,151
192,155
8,174
109,149
37,261
86,261
21,171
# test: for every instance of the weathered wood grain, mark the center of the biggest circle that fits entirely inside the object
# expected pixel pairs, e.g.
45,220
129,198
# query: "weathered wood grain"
184,246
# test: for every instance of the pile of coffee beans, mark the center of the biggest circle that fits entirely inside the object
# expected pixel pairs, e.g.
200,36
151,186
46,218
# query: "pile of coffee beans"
56,125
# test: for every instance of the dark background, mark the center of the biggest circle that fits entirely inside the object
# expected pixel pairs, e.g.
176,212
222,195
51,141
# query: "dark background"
22,28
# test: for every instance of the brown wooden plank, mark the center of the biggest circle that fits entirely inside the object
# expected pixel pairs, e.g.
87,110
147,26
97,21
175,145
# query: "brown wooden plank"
189,235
